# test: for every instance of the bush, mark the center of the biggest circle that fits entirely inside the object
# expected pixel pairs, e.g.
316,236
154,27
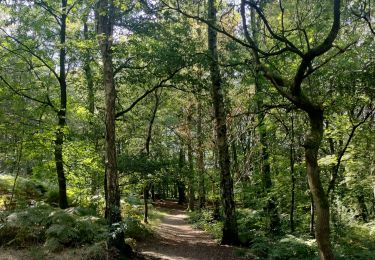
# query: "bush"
71,227
249,225
291,247
205,220
131,227
52,197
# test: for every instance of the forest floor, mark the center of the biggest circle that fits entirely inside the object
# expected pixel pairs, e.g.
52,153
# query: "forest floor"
175,239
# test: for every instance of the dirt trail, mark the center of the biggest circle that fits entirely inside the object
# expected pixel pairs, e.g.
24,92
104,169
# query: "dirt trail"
176,239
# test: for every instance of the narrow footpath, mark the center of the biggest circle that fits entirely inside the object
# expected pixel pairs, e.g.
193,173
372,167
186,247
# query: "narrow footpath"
175,239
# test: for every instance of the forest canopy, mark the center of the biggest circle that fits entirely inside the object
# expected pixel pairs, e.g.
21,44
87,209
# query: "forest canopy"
256,115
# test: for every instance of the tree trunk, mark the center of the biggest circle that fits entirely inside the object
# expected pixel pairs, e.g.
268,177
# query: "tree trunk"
293,177
145,199
312,217
363,212
312,143
191,196
105,26
230,232
147,148
90,98
200,161
181,192
153,192
59,135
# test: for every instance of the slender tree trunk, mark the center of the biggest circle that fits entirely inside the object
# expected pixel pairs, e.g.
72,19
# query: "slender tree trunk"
145,199
312,144
180,182
191,190
59,135
230,232
18,168
200,161
312,217
293,177
147,148
105,26
90,97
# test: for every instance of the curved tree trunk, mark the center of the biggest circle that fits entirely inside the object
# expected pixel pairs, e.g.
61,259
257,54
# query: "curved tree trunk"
312,144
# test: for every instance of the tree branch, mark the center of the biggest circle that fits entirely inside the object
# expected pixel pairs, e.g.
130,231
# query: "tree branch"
159,85
342,152
48,102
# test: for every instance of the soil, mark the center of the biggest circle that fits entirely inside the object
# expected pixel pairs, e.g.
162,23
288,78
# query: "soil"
175,239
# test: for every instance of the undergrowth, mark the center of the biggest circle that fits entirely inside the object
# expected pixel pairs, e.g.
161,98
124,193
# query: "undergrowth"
351,241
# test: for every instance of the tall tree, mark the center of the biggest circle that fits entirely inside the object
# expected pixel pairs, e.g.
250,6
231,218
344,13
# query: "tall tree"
292,90
230,232
61,114
105,22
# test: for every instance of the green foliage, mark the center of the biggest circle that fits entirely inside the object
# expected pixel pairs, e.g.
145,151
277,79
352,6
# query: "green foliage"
250,223
26,190
204,220
356,241
54,227
133,228
25,227
72,227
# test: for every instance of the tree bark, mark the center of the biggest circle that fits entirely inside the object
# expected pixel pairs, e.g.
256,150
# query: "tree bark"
312,143
113,210
230,231
312,217
61,115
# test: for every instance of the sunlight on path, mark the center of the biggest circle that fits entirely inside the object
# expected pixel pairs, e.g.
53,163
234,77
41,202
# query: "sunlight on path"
177,240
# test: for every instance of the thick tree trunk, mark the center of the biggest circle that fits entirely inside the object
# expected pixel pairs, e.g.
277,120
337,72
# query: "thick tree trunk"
230,232
312,217
105,25
59,135
312,144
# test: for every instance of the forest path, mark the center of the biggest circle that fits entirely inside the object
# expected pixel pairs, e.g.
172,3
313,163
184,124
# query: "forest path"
175,239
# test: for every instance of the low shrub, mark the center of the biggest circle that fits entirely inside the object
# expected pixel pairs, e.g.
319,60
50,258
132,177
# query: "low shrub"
55,228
